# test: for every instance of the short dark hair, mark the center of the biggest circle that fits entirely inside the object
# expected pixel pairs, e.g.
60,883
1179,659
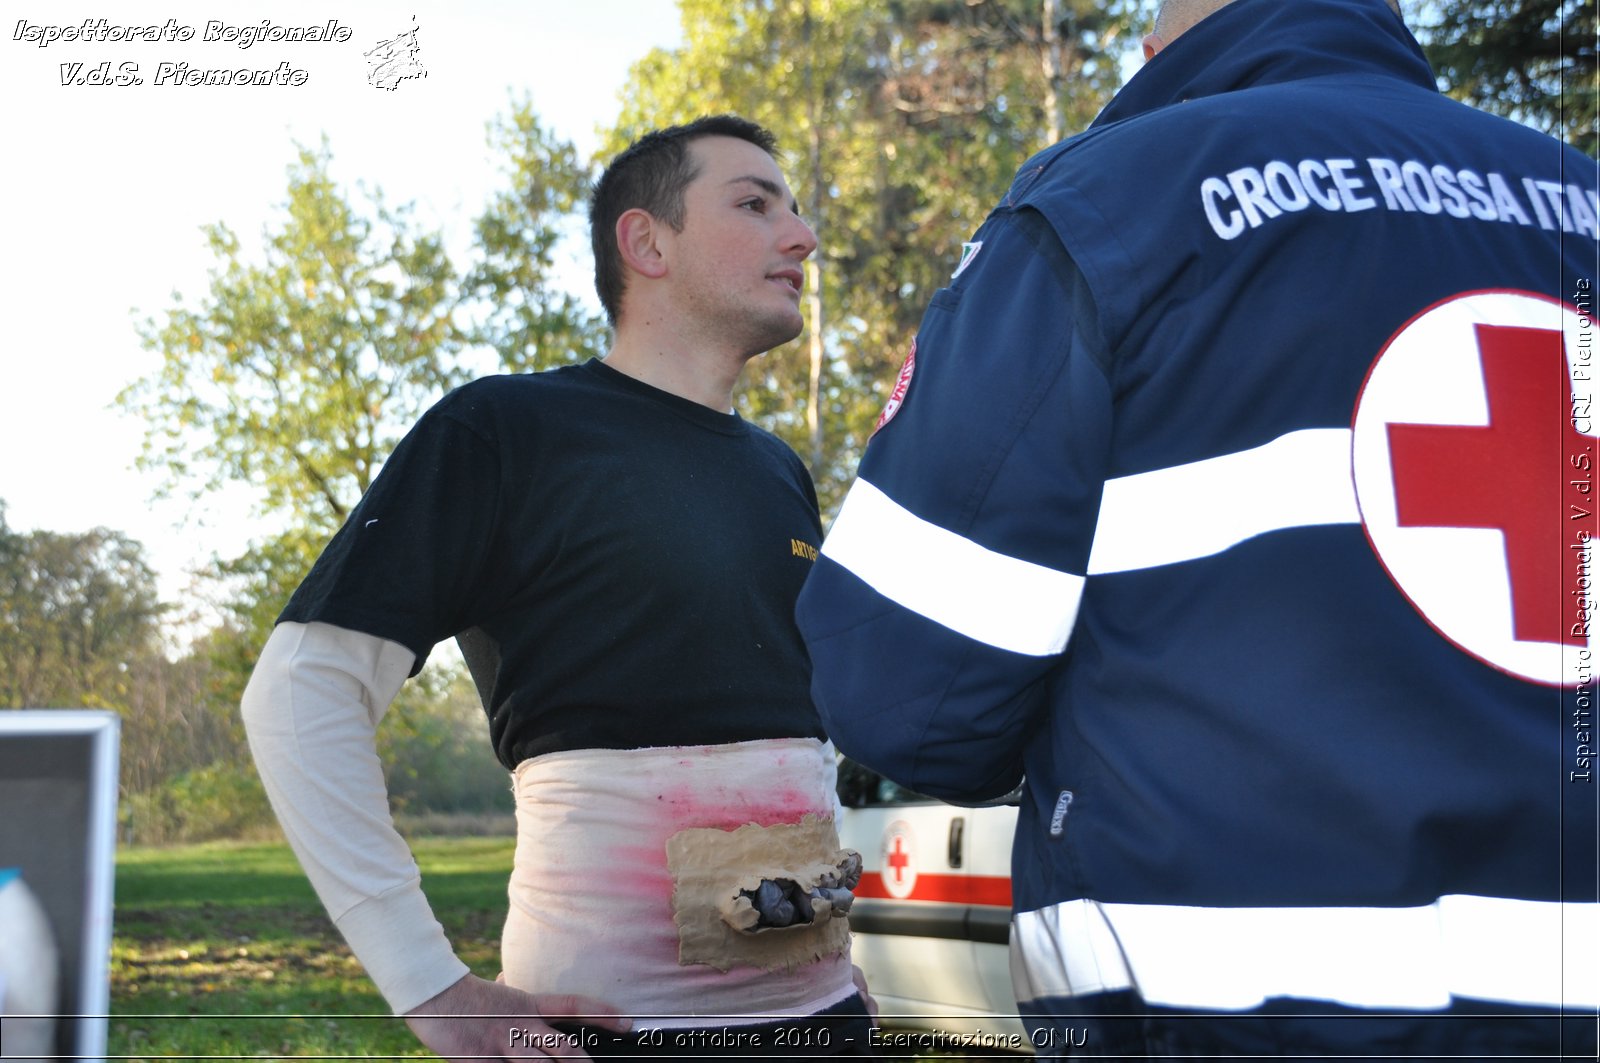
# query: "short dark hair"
651,176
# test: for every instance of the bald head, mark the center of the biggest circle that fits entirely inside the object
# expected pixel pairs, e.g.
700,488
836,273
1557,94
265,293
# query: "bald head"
1176,17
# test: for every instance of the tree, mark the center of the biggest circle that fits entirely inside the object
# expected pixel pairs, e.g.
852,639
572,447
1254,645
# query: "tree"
297,375
528,321
77,612
1531,60
958,96
780,64
80,627
296,372
299,368
173,722
904,122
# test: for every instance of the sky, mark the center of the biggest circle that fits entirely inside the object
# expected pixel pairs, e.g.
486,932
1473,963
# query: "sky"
106,188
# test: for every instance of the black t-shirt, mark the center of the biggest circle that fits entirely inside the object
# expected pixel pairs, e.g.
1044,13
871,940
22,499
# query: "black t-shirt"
622,563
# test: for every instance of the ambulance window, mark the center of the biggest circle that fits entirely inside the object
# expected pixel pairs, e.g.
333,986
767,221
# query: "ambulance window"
892,793
861,787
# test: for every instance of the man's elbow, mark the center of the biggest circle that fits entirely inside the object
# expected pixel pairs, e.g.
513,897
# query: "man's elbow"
969,780
900,744
255,702
263,705
911,699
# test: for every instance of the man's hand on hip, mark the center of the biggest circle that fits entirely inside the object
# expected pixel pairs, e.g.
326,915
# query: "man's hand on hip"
476,1019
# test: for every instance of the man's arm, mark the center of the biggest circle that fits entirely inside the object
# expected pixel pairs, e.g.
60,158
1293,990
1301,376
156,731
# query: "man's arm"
311,712
948,585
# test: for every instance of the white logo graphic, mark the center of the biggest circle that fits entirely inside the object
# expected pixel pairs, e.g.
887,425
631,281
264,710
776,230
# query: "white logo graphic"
1474,457
969,251
395,60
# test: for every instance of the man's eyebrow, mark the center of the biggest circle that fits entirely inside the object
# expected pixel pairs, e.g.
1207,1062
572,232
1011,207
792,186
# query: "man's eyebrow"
771,188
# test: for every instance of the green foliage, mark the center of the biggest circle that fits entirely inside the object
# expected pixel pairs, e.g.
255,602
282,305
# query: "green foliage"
76,611
261,581
529,322
903,123
300,363
1531,60
435,749
80,628
204,804
174,720
296,375
299,368
433,743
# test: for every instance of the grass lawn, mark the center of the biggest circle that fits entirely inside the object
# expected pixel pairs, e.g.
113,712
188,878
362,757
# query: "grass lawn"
222,950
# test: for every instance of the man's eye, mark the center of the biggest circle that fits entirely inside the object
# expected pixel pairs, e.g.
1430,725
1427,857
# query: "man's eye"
757,205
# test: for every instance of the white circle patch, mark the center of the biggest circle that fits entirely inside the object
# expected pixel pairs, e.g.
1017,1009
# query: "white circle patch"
899,865
1474,457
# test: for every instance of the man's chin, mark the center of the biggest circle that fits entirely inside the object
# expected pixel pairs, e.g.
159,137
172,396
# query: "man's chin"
776,336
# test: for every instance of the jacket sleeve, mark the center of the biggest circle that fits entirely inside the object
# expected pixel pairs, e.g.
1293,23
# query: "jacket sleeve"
949,583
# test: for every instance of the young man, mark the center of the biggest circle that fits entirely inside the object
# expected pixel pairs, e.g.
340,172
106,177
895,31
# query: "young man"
1239,496
620,554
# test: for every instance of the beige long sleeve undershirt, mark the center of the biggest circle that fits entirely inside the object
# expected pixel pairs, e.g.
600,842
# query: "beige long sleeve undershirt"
311,712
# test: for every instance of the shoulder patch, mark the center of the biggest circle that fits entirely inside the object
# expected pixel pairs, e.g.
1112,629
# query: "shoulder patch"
969,251
902,384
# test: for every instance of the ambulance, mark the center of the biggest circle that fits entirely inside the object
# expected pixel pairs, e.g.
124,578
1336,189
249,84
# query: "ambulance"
932,914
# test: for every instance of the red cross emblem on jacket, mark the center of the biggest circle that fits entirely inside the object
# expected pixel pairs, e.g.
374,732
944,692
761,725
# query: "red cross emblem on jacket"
1474,458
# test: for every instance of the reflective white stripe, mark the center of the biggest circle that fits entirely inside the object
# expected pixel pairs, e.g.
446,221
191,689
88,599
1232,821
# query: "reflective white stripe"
1196,510
996,599
1541,953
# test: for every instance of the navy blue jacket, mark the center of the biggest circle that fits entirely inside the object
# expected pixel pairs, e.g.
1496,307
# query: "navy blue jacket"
1237,493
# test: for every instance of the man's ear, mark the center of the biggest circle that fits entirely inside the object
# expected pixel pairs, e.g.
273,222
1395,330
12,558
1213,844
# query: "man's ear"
638,236
1151,45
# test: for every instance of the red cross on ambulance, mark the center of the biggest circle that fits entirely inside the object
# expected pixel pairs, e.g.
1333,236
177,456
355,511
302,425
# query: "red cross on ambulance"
1474,453
899,871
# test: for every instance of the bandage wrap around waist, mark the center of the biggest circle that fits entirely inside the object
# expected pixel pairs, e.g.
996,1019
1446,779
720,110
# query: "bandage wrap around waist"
592,890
